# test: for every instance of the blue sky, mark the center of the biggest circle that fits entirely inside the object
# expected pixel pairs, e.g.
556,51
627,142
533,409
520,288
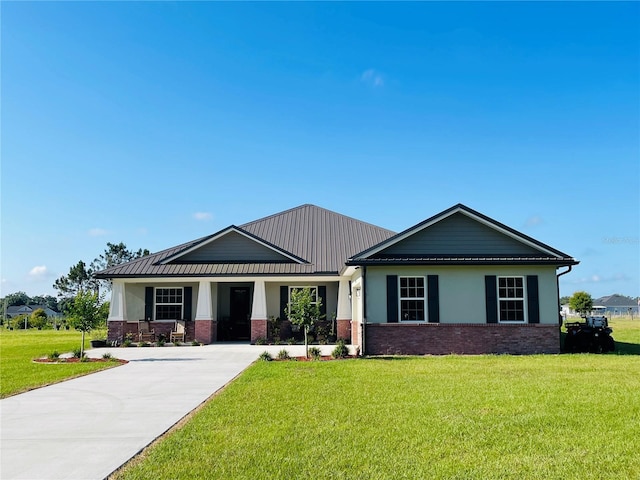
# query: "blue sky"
155,123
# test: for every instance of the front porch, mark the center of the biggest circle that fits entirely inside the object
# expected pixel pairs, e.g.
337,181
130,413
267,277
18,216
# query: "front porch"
224,310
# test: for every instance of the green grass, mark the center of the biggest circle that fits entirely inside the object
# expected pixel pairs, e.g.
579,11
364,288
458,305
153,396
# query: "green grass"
450,417
19,347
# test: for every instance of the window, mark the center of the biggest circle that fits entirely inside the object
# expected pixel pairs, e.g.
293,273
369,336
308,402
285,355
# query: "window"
412,299
314,292
511,299
169,303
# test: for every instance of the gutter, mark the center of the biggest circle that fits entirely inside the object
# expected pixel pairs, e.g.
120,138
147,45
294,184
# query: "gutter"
560,319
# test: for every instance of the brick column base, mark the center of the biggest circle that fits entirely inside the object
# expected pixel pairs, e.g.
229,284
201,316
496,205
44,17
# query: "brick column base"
206,331
115,331
344,329
258,329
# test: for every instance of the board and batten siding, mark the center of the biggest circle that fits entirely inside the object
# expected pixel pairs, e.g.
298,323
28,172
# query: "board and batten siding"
461,235
461,290
234,247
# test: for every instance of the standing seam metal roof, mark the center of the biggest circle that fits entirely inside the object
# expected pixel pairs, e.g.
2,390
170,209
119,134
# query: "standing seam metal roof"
323,238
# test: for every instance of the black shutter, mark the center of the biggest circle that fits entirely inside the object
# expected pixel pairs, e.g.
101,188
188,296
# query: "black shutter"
533,301
392,298
188,294
148,303
284,299
433,299
322,293
491,296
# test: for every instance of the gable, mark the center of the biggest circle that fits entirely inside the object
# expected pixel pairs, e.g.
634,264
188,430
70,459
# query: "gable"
232,247
458,234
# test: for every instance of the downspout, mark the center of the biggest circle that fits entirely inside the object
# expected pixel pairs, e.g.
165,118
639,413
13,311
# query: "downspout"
363,289
569,267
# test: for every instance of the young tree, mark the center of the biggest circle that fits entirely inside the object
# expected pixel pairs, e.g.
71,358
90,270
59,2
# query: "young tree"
581,302
304,310
86,313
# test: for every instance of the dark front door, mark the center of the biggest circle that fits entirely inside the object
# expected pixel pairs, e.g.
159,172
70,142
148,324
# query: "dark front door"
240,313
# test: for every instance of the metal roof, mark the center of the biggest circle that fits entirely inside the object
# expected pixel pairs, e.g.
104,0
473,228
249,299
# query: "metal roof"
322,238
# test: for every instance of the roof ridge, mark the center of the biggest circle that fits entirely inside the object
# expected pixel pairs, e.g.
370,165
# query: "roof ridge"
311,205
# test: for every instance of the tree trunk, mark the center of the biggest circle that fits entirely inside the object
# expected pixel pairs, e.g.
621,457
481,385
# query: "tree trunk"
82,346
306,343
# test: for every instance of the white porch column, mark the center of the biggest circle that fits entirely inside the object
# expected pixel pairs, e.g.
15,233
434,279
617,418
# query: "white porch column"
344,304
117,306
259,307
204,310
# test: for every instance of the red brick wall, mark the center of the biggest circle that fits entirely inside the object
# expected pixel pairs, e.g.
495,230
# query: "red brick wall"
118,330
206,331
258,330
344,329
442,339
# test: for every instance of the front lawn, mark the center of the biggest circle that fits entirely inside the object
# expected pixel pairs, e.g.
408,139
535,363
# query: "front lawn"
19,347
450,417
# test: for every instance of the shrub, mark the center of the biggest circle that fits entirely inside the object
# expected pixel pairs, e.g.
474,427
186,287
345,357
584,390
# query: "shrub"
17,323
78,353
195,343
341,350
291,341
54,355
315,353
143,344
265,356
38,319
160,342
127,343
283,355
107,356
261,341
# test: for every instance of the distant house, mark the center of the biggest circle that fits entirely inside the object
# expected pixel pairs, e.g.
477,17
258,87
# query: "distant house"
17,310
618,304
458,282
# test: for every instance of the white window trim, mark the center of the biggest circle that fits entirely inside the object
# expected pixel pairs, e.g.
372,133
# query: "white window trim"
524,300
424,299
296,287
155,303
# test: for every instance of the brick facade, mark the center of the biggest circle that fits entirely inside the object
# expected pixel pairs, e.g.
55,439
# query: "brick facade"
117,331
443,339
344,329
206,331
258,330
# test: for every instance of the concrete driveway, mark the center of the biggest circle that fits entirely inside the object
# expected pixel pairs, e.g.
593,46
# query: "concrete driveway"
88,427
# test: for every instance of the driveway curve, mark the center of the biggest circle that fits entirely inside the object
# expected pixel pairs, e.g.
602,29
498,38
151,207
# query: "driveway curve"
87,427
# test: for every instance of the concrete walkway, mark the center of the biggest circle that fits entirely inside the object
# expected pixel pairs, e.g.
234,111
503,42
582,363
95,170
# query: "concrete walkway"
87,427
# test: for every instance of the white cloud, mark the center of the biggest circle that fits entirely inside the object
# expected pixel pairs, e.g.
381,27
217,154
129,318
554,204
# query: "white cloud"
38,272
202,216
372,77
534,221
595,278
97,232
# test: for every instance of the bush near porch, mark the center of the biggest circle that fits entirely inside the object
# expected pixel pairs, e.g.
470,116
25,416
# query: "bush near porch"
471,417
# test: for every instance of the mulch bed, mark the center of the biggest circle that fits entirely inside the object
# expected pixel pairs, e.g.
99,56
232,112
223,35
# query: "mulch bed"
323,358
77,360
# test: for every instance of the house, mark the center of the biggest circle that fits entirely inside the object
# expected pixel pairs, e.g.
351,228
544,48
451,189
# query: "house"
458,282
17,310
618,305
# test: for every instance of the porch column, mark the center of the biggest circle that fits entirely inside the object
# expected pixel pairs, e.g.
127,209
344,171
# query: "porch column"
117,313
206,326
259,311
343,315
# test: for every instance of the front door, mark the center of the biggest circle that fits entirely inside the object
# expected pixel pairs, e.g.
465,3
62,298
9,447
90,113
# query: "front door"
240,313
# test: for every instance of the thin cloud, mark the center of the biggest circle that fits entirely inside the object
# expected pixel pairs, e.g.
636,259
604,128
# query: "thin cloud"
97,232
202,216
534,221
38,272
617,277
372,78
